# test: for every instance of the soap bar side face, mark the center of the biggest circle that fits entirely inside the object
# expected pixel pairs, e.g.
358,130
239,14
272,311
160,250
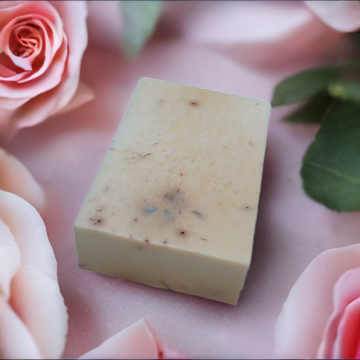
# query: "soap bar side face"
183,173
160,266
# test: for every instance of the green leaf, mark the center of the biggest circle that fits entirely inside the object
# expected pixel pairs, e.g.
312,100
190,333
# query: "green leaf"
345,90
304,85
140,19
331,166
313,111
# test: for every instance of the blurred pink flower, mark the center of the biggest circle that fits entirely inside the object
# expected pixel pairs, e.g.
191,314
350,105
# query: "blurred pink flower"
16,178
41,48
254,32
321,316
340,15
33,317
138,341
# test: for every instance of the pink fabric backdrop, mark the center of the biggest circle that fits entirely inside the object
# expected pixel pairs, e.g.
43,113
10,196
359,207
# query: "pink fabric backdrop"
246,49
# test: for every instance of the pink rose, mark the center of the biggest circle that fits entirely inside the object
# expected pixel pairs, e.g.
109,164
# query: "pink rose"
340,15
321,316
41,47
33,317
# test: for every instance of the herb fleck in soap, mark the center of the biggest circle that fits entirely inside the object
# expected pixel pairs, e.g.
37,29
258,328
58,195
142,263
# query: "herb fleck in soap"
175,201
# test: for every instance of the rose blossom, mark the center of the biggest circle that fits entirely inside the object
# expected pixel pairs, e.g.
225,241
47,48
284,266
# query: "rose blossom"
321,316
33,317
41,47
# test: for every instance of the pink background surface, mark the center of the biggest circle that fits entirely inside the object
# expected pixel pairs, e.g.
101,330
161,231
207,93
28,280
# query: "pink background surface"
245,58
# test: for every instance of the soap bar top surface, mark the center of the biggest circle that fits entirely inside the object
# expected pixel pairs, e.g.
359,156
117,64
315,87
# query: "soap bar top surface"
183,171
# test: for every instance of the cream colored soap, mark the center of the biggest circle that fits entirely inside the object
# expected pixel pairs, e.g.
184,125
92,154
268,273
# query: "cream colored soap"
175,201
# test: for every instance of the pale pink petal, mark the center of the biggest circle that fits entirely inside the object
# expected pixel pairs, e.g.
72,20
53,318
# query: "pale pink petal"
165,351
302,321
16,178
36,299
11,104
35,288
39,108
252,31
8,71
74,15
29,232
5,4
15,340
340,15
42,106
12,9
347,343
346,290
135,342
5,116
83,95
9,259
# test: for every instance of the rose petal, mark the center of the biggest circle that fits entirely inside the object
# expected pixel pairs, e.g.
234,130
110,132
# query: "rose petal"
15,340
8,71
346,291
83,95
9,259
5,116
11,104
36,299
302,321
348,341
35,288
29,232
16,178
12,9
340,15
74,16
5,4
135,342
41,107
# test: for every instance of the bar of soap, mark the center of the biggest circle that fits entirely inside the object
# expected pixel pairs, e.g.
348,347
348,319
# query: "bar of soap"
175,201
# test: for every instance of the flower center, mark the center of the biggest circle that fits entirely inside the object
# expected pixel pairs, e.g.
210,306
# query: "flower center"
26,40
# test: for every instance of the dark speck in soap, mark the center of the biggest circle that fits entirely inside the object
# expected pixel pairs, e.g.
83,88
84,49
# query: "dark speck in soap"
198,214
194,103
